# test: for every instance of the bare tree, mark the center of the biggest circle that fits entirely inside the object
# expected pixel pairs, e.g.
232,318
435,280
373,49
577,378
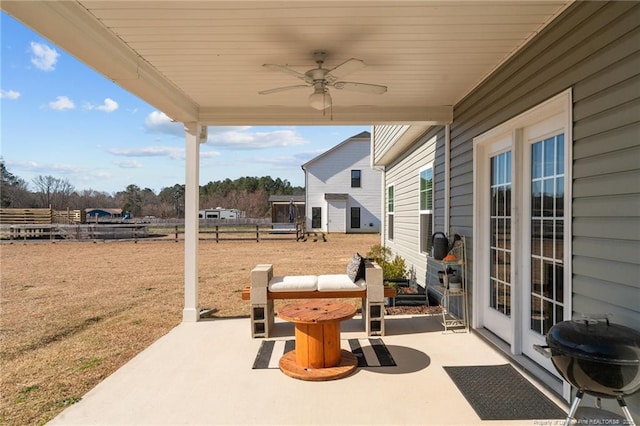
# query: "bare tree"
53,192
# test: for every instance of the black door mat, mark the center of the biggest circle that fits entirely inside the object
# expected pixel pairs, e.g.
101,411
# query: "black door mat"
499,392
370,352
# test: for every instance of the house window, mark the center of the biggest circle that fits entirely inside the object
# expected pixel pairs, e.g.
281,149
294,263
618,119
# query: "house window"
390,211
355,178
355,217
426,208
316,217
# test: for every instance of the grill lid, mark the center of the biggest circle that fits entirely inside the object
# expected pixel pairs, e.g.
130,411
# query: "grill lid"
598,341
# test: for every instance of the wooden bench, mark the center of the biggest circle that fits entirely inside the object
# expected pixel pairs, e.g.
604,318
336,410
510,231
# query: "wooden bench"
287,295
262,309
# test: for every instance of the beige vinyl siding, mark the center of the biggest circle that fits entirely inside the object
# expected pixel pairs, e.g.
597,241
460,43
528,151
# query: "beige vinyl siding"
593,48
385,136
404,175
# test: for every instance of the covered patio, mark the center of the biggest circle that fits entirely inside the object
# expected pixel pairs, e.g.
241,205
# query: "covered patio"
221,63
201,63
201,373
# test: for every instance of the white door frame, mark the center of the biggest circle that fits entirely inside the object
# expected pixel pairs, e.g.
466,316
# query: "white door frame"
558,109
498,323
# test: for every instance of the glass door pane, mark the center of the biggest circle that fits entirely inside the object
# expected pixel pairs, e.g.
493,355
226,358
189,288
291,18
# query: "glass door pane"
500,228
547,236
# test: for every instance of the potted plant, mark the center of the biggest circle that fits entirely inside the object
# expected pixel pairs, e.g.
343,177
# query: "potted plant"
394,268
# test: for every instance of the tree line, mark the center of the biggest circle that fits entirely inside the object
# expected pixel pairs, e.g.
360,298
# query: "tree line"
249,194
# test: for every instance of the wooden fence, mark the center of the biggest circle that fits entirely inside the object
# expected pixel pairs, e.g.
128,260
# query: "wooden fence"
26,216
73,232
256,232
41,216
135,231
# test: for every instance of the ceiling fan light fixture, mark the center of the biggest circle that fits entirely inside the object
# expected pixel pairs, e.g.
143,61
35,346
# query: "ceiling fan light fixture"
320,99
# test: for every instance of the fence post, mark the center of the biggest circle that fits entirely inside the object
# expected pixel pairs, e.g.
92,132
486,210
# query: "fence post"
176,233
216,233
257,233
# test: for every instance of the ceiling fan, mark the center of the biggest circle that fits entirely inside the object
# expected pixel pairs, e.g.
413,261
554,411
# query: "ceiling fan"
321,79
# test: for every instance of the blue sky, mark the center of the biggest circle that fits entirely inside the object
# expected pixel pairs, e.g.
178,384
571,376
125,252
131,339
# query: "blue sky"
61,118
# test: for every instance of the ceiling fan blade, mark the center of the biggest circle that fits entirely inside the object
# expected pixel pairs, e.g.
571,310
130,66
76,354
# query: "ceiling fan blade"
289,71
281,89
347,67
361,87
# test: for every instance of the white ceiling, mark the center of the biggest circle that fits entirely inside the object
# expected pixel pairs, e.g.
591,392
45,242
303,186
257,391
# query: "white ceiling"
202,60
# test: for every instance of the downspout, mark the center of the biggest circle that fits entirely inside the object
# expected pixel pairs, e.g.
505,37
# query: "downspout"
447,177
307,209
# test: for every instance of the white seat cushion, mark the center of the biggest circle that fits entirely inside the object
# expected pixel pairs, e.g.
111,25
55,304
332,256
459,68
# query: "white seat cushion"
294,283
339,282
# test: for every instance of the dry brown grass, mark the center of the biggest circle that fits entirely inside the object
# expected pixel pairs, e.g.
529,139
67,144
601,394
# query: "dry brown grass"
72,313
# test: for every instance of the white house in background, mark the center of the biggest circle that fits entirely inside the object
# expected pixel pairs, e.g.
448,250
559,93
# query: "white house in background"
342,189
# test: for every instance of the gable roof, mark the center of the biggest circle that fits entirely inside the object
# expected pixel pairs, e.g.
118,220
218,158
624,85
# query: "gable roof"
359,137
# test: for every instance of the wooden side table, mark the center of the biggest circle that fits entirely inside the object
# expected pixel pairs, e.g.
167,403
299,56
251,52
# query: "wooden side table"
318,355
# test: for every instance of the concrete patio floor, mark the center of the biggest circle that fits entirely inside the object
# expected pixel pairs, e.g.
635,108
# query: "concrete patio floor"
200,374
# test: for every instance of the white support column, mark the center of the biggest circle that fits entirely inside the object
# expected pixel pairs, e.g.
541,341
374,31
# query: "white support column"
193,137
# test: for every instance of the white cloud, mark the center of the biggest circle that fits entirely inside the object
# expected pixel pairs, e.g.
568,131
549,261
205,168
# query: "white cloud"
49,168
159,122
61,103
56,169
43,57
209,154
245,140
150,151
128,164
9,94
109,105
157,151
286,161
219,130
228,137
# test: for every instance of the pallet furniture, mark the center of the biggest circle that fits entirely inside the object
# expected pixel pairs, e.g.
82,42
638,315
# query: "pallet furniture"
261,299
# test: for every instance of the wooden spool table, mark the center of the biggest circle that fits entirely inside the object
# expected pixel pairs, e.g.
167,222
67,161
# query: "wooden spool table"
318,355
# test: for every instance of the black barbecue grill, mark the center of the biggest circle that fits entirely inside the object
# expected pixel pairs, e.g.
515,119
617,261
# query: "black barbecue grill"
597,358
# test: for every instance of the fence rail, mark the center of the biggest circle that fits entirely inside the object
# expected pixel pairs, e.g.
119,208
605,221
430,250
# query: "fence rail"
73,232
135,231
41,216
